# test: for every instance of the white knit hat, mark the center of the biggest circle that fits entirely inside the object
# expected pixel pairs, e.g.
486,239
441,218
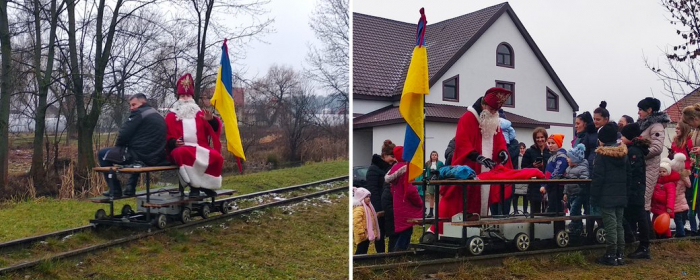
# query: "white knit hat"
678,163
358,194
666,164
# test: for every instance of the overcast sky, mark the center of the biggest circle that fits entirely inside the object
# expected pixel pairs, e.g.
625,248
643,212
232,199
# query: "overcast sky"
287,45
596,47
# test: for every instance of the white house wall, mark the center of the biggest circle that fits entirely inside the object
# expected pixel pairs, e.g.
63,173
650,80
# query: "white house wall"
478,72
360,106
362,147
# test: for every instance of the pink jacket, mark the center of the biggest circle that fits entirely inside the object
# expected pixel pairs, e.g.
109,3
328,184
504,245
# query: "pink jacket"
681,204
664,196
407,201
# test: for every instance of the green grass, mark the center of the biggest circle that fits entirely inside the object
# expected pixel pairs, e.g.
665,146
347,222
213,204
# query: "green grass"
40,216
309,244
285,177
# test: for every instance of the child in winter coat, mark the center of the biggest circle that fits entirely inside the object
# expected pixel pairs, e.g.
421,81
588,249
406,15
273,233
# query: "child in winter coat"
609,192
681,206
635,215
407,201
556,165
364,220
664,198
573,193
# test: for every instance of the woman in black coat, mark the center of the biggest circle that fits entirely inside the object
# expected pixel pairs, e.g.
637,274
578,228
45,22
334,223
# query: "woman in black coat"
536,157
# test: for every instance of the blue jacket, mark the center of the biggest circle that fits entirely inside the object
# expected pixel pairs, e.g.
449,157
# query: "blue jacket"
556,165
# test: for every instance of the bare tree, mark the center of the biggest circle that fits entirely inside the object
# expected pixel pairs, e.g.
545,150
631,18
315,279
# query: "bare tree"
299,112
43,78
272,91
679,71
202,14
329,64
5,91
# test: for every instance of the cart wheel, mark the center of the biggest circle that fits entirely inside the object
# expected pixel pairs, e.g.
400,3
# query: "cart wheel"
161,221
476,245
100,214
186,215
226,207
205,211
522,242
428,238
126,210
599,235
562,238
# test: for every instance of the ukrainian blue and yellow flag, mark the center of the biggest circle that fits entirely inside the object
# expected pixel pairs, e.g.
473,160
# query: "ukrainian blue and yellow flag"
223,102
415,88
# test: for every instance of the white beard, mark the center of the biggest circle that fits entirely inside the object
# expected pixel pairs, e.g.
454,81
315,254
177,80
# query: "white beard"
185,109
489,123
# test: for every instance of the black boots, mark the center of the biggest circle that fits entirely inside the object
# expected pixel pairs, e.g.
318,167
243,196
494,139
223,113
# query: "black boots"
115,189
642,252
620,258
194,192
607,259
430,214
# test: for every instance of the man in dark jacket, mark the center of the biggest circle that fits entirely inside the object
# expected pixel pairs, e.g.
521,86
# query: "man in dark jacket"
609,192
375,183
448,152
635,216
141,140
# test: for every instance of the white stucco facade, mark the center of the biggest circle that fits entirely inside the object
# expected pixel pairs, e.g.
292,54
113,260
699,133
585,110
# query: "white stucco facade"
361,106
478,72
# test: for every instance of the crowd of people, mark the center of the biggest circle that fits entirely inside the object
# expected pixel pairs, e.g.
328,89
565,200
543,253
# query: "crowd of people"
631,185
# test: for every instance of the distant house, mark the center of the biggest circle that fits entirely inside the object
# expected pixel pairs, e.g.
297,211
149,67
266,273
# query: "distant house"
466,55
675,111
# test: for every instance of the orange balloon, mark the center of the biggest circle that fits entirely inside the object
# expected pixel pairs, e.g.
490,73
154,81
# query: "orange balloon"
662,223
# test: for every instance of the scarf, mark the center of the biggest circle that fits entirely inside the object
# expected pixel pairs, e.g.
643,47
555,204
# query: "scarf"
371,216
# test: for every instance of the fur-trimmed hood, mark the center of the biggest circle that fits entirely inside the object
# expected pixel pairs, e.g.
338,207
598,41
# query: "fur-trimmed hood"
642,143
612,151
655,117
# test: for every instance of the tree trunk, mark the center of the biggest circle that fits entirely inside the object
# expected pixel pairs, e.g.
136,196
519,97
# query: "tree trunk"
5,89
85,154
43,81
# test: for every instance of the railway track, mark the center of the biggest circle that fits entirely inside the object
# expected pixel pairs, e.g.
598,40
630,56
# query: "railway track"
424,262
27,242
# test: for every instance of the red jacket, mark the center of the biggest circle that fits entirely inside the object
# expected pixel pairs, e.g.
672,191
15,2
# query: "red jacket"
683,150
407,201
665,194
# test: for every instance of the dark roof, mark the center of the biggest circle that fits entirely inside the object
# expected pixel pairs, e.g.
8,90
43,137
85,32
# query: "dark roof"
437,113
382,50
676,110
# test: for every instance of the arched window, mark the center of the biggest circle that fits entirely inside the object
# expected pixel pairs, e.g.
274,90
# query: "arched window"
505,56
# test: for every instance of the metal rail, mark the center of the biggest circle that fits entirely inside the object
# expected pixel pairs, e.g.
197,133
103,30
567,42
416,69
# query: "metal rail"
29,240
82,251
450,263
62,233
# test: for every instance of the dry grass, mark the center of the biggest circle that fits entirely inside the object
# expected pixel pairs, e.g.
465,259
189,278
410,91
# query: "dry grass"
674,260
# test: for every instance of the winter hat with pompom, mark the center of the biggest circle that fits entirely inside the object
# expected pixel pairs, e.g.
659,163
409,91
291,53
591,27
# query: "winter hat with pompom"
358,195
577,154
666,164
678,162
